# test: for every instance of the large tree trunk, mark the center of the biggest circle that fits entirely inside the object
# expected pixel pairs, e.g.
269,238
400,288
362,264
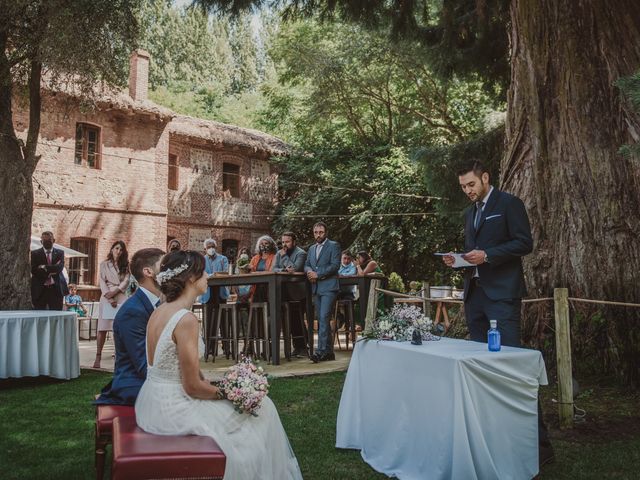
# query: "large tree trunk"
566,121
16,166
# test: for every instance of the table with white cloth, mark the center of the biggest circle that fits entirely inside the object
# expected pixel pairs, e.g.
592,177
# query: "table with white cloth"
447,409
39,342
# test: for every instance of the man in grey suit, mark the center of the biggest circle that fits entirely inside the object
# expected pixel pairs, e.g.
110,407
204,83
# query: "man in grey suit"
292,258
322,265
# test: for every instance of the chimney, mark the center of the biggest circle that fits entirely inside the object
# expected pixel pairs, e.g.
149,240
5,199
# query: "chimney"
139,74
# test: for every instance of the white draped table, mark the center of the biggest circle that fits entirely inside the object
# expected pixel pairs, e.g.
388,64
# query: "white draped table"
39,342
447,409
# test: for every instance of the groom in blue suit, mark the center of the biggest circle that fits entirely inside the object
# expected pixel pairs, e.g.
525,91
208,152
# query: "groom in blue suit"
321,267
130,331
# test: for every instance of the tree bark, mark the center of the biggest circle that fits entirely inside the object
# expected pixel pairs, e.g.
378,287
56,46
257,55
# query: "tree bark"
565,124
17,190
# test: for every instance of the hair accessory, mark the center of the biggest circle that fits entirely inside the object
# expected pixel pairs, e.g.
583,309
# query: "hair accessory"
172,272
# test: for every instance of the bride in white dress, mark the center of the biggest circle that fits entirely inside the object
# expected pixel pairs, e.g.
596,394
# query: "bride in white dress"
176,399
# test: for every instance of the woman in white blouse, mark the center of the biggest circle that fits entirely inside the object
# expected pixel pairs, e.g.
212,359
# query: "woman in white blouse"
114,282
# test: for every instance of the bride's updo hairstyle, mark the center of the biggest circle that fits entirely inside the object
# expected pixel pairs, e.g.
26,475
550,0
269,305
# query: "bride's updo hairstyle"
176,269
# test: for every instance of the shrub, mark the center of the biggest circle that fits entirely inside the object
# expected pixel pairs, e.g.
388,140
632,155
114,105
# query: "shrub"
395,283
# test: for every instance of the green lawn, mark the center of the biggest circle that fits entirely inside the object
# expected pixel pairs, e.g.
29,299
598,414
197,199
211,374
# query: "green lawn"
46,430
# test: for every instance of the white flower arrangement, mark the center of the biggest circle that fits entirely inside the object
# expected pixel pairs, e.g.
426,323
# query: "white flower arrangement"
170,273
245,385
399,325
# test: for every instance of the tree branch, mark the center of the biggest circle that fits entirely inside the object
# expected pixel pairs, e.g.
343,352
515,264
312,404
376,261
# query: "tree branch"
35,104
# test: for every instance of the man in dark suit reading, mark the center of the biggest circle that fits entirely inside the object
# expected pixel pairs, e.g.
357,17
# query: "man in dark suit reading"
497,235
130,331
47,283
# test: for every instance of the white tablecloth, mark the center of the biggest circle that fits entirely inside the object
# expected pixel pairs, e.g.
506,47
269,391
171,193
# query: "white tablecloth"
39,342
448,409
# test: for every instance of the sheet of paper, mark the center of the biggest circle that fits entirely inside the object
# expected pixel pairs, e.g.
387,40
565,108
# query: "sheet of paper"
109,312
458,260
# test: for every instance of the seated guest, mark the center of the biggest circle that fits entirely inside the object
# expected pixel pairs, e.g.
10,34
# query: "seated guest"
348,292
262,261
365,264
173,245
73,301
215,262
291,258
130,331
347,268
244,257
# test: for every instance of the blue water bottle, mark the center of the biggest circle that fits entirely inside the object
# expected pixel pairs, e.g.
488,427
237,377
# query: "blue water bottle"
493,336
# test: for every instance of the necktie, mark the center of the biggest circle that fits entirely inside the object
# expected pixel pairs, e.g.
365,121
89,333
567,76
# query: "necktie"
49,280
476,222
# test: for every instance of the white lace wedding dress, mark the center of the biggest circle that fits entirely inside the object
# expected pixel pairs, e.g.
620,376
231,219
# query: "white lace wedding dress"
255,447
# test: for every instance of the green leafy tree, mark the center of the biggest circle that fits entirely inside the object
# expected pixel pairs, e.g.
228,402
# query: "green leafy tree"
565,124
360,88
81,42
189,51
366,207
245,55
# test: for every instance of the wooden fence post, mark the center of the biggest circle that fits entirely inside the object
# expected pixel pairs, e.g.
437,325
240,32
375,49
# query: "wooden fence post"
426,304
563,355
372,305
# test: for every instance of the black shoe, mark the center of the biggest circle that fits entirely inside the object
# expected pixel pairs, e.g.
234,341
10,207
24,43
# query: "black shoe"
546,454
323,357
300,353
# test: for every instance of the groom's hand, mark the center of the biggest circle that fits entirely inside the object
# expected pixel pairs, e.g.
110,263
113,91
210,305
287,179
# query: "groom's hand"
448,260
476,257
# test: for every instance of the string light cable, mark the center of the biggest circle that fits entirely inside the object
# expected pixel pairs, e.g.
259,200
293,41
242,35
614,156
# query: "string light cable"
195,169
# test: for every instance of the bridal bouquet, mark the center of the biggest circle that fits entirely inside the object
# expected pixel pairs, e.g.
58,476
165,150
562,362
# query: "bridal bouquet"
245,385
399,325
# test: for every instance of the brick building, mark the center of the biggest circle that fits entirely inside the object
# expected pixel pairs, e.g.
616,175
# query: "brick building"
131,170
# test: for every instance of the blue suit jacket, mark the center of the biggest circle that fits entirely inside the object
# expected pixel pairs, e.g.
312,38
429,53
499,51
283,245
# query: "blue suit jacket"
505,236
326,266
129,337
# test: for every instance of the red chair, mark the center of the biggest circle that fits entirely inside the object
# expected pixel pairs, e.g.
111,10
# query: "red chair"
104,425
141,455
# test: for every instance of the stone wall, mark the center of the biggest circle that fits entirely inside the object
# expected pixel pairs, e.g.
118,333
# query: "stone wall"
200,208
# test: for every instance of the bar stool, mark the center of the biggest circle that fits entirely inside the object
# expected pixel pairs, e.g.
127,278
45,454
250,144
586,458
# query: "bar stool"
255,324
286,325
347,306
228,318
198,311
